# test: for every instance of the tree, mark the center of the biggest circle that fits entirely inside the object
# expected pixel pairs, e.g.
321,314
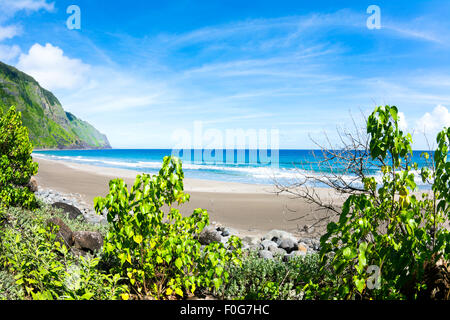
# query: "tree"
16,163
158,252
389,226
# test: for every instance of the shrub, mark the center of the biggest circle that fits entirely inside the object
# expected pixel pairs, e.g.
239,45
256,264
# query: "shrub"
159,253
9,290
389,227
266,279
16,164
33,264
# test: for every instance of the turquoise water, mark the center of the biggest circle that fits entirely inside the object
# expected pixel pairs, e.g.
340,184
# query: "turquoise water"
246,166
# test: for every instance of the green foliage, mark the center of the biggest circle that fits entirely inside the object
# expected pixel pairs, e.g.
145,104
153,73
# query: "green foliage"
48,127
389,227
267,279
16,163
43,268
9,290
158,252
441,185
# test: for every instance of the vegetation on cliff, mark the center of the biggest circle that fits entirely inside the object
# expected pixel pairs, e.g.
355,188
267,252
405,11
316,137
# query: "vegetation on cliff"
49,126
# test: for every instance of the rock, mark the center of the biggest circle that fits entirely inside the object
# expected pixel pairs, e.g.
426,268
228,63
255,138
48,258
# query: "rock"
73,212
276,240
279,235
87,240
293,255
64,234
265,254
33,185
302,247
78,252
224,240
265,244
289,245
307,241
250,240
95,219
276,251
209,235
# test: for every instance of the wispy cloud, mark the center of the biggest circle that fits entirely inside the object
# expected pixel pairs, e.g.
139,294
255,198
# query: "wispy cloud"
9,53
9,7
299,73
8,32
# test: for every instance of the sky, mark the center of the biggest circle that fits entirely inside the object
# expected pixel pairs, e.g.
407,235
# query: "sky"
147,72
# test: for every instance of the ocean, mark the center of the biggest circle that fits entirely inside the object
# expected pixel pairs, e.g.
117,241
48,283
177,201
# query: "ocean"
244,166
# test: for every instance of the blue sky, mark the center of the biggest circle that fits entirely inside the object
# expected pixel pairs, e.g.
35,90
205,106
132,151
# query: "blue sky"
141,70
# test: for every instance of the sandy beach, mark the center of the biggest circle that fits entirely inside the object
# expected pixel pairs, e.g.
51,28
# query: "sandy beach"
248,208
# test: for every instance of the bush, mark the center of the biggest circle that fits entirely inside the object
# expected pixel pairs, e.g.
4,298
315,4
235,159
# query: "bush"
16,163
33,264
9,290
159,253
387,238
267,279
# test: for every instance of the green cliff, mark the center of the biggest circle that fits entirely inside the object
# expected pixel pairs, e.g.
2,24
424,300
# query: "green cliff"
49,126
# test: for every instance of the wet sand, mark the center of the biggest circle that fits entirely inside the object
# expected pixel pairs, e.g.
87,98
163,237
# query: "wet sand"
248,208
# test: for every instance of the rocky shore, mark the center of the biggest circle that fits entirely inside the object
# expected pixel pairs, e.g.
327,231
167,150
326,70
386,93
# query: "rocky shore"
269,245
51,197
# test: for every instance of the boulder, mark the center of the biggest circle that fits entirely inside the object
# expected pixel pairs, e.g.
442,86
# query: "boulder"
289,245
78,252
64,233
265,244
302,247
276,251
293,255
72,211
87,240
265,254
224,240
279,235
250,240
276,240
209,235
33,185
315,245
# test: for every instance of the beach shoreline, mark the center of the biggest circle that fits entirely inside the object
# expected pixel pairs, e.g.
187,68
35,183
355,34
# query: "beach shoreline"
250,209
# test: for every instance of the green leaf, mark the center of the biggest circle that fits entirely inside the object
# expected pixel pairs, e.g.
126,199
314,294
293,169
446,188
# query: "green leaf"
179,292
360,284
137,238
178,263
349,253
87,296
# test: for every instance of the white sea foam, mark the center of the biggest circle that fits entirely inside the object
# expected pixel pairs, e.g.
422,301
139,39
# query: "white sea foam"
266,174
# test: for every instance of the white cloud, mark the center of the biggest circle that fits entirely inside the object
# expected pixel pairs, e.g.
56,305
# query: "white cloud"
434,121
51,68
9,53
113,90
402,123
9,32
10,7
